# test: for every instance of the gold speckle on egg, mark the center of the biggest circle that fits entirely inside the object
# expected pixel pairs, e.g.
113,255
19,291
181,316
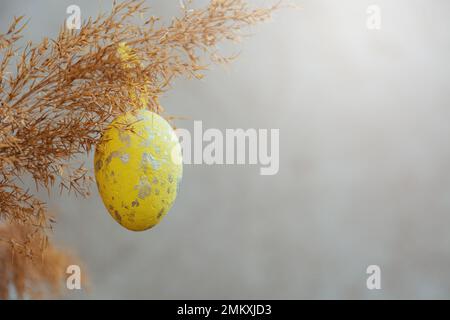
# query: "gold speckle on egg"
135,203
98,165
125,157
144,188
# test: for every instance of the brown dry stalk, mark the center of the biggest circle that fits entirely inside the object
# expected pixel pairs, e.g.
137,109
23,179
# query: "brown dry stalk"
57,96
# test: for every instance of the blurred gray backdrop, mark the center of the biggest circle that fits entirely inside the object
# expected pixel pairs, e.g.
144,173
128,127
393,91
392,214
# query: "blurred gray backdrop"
364,178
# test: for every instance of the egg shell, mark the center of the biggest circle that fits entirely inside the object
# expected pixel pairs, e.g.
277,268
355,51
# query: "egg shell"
138,169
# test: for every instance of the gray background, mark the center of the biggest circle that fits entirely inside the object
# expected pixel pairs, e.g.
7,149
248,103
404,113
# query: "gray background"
364,164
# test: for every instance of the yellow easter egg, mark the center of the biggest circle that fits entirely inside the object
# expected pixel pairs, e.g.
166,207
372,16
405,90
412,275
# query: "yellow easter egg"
138,169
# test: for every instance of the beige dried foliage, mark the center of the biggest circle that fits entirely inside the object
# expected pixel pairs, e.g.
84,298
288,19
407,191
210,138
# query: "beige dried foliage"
57,96
30,265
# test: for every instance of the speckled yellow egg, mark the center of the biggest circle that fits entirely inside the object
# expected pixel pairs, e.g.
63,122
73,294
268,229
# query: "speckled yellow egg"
138,169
